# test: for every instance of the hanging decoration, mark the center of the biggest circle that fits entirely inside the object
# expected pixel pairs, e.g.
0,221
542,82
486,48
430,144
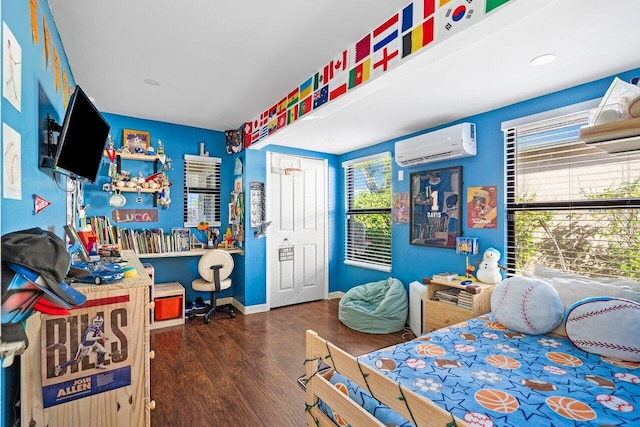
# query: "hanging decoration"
47,43
39,204
164,198
234,140
257,209
33,12
111,154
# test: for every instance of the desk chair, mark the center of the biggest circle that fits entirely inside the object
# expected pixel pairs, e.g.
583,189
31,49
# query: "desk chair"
214,267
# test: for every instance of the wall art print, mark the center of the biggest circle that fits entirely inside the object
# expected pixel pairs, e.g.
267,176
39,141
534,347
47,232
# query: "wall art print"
482,211
436,207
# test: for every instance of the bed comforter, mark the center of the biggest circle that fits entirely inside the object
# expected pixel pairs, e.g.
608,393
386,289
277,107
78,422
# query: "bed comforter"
488,375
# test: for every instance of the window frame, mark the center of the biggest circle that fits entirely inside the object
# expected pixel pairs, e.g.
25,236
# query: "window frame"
191,164
382,259
573,207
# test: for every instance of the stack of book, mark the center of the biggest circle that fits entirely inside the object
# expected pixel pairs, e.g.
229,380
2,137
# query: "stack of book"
143,241
448,277
465,300
448,295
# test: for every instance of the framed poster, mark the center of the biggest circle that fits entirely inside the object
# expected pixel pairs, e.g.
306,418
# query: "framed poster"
136,141
482,211
435,207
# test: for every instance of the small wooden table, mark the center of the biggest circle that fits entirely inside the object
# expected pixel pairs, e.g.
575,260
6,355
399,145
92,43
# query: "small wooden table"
440,313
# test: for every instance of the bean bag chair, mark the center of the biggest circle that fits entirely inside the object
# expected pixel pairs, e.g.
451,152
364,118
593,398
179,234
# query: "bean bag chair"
375,308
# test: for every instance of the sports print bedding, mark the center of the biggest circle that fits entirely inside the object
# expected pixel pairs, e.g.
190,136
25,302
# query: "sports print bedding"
488,375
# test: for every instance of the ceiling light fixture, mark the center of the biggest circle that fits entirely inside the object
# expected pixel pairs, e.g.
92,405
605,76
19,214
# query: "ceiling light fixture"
543,59
151,82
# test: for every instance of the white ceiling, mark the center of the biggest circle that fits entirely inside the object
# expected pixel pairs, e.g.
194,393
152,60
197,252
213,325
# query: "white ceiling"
220,64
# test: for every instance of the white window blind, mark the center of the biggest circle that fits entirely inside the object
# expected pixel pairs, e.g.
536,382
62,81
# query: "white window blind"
570,205
201,190
368,212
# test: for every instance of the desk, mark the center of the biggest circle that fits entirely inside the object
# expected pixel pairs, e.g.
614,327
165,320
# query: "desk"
55,339
192,252
174,288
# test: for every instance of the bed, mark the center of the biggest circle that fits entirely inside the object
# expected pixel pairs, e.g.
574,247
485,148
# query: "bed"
482,373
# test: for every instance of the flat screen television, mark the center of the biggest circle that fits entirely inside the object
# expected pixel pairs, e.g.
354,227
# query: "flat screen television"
81,142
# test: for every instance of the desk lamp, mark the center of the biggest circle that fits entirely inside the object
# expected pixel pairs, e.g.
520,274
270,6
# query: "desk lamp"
467,246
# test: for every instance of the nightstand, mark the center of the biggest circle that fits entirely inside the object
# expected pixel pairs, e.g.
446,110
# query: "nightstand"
440,314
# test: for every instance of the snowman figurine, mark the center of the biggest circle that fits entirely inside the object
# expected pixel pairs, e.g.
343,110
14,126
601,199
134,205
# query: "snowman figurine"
488,268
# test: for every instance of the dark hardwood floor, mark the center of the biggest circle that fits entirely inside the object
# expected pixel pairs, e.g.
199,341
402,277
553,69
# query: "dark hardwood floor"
243,371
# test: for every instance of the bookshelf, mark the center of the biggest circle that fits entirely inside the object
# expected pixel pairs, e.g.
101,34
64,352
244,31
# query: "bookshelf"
146,243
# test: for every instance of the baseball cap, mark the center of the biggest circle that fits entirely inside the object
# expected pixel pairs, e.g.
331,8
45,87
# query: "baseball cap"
44,306
19,296
37,280
45,257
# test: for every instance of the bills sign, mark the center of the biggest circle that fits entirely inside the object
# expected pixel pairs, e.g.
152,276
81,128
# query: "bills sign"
86,352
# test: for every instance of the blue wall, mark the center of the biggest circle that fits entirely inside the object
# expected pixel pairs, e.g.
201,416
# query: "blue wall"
177,141
410,262
39,96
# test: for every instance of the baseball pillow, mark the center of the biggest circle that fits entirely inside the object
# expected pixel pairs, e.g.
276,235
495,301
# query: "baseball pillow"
606,327
527,304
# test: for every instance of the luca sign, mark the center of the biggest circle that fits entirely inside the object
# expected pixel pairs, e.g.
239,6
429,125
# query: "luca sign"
86,352
135,215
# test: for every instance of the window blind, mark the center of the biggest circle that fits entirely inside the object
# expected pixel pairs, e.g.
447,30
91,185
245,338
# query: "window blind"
570,205
201,190
368,212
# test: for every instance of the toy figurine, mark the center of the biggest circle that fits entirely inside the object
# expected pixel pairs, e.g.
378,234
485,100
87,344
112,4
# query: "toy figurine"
488,268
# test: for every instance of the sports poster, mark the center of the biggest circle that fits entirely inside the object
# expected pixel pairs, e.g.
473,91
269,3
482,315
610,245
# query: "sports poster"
481,207
87,352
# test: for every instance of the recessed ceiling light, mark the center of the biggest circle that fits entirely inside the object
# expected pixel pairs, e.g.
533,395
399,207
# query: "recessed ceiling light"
543,59
151,82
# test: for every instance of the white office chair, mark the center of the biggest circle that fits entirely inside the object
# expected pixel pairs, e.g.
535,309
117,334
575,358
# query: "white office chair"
214,267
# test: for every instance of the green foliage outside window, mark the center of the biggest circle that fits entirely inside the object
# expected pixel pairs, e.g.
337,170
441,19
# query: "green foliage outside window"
598,240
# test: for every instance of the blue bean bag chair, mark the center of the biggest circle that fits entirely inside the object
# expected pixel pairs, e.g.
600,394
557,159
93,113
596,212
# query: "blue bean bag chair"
375,308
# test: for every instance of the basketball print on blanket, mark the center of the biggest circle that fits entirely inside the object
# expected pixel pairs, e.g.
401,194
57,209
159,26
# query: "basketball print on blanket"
590,323
526,304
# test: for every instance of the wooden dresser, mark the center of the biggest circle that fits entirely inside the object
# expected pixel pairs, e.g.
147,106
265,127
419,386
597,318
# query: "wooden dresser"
80,392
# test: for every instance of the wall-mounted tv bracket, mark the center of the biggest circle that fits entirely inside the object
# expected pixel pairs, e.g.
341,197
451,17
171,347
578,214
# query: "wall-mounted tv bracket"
52,126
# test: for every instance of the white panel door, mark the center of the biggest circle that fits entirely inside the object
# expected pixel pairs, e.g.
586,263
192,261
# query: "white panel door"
296,239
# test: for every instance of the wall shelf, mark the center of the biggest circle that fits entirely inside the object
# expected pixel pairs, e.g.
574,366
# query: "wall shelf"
135,190
616,138
138,157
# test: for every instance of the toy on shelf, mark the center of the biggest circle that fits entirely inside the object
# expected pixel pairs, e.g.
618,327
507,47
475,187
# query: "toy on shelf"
467,246
211,236
488,268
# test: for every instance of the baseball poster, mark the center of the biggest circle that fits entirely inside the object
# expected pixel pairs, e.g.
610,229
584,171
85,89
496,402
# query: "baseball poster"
86,352
482,207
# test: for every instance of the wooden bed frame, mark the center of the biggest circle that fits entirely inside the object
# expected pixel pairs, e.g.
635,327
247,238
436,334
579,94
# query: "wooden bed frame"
415,408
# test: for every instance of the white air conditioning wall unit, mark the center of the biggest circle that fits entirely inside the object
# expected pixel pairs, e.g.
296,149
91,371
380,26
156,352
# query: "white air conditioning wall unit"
453,142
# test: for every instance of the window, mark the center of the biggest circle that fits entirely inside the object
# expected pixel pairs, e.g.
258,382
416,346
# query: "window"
201,190
570,205
368,212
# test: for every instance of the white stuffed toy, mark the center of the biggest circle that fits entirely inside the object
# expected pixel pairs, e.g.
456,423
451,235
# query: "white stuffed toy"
488,268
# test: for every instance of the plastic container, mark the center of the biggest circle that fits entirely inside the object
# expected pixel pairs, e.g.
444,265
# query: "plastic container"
168,308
